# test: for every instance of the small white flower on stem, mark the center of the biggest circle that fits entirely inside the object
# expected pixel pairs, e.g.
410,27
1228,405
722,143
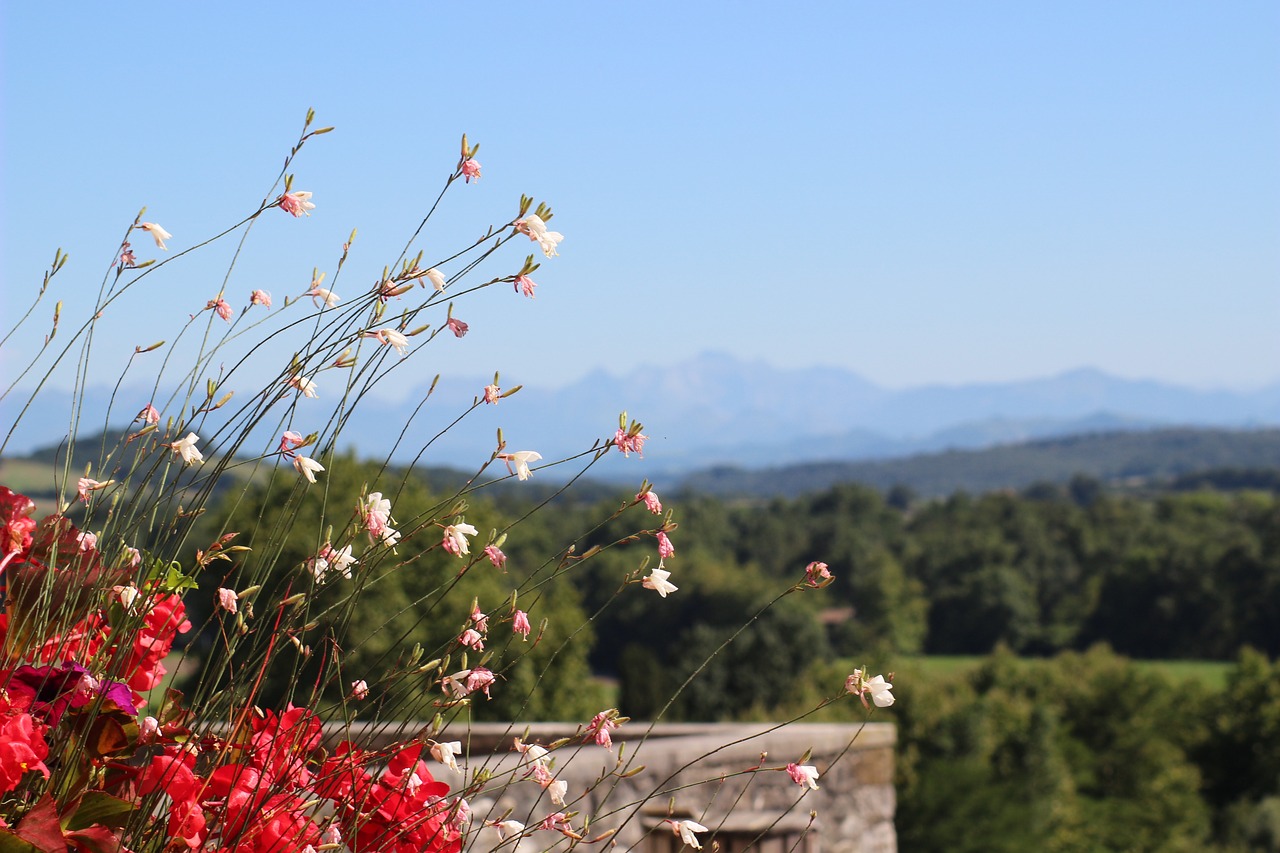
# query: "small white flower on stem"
331,835
134,555
391,337
126,595
533,226
307,467
877,688
558,790
686,829
376,514
296,203
328,559
360,690
157,233
535,754
447,754
804,775
518,462
260,297
305,385
455,538
186,448
508,828
228,600
657,581
436,278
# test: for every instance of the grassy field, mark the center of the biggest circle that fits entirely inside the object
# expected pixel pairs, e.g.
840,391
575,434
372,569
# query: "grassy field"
1209,674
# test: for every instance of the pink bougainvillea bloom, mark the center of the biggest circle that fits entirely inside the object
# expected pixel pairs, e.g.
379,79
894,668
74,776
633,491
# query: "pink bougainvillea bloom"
525,285
492,393
148,414
289,440
221,308
470,169
628,443
495,555
817,575
359,689
260,297
665,548
127,258
804,775
296,203
228,600
157,233
186,448
436,278
533,226
600,726
455,538
305,385
307,467
520,624
391,337
651,501
458,327
472,639
657,581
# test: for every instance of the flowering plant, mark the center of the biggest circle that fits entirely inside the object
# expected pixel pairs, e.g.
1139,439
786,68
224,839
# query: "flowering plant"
313,723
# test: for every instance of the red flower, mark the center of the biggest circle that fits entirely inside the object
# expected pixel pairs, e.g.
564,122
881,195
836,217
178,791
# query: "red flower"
22,747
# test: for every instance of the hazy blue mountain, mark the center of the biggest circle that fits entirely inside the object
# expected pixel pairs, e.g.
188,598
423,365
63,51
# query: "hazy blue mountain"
719,410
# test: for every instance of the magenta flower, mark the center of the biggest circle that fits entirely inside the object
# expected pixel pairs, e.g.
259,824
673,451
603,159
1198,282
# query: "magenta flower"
495,555
665,548
817,575
651,501
629,443
456,326
289,440
472,639
520,624
127,257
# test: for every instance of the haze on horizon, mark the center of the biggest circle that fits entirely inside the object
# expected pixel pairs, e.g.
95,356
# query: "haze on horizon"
934,194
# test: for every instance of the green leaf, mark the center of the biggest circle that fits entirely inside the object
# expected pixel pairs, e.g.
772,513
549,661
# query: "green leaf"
99,807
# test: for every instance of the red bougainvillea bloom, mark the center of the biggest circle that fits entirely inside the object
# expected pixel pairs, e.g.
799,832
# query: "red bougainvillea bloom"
404,811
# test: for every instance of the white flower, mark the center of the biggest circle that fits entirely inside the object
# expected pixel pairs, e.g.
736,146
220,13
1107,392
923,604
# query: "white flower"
520,460
437,279
537,230
328,560
157,233
804,775
305,385
307,467
558,790
879,690
446,754
455,538
186,448
657,581
508,828
686,829
533,752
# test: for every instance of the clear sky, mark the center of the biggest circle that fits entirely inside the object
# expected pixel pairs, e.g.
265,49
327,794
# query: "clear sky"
920,192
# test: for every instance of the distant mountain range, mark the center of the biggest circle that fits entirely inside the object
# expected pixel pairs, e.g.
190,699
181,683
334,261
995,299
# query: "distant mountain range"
716,410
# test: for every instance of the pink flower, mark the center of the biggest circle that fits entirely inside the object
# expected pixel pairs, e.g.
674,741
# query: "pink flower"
296,203
456,326
376,512
651,501
525,285
472,639
87,541
134,555
520,624
359,690
495,555
482,621
492,393
84,486
817,575
148,729
260,297
330,559
157,233
455,538
804,775
127,258
600,726
665,548
220,307
480,679
557,822
305,385
628,443
289,440
148,414
228,600
468,681
470,169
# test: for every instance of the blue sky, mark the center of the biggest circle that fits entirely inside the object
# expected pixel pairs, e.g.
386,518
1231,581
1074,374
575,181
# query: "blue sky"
925,192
